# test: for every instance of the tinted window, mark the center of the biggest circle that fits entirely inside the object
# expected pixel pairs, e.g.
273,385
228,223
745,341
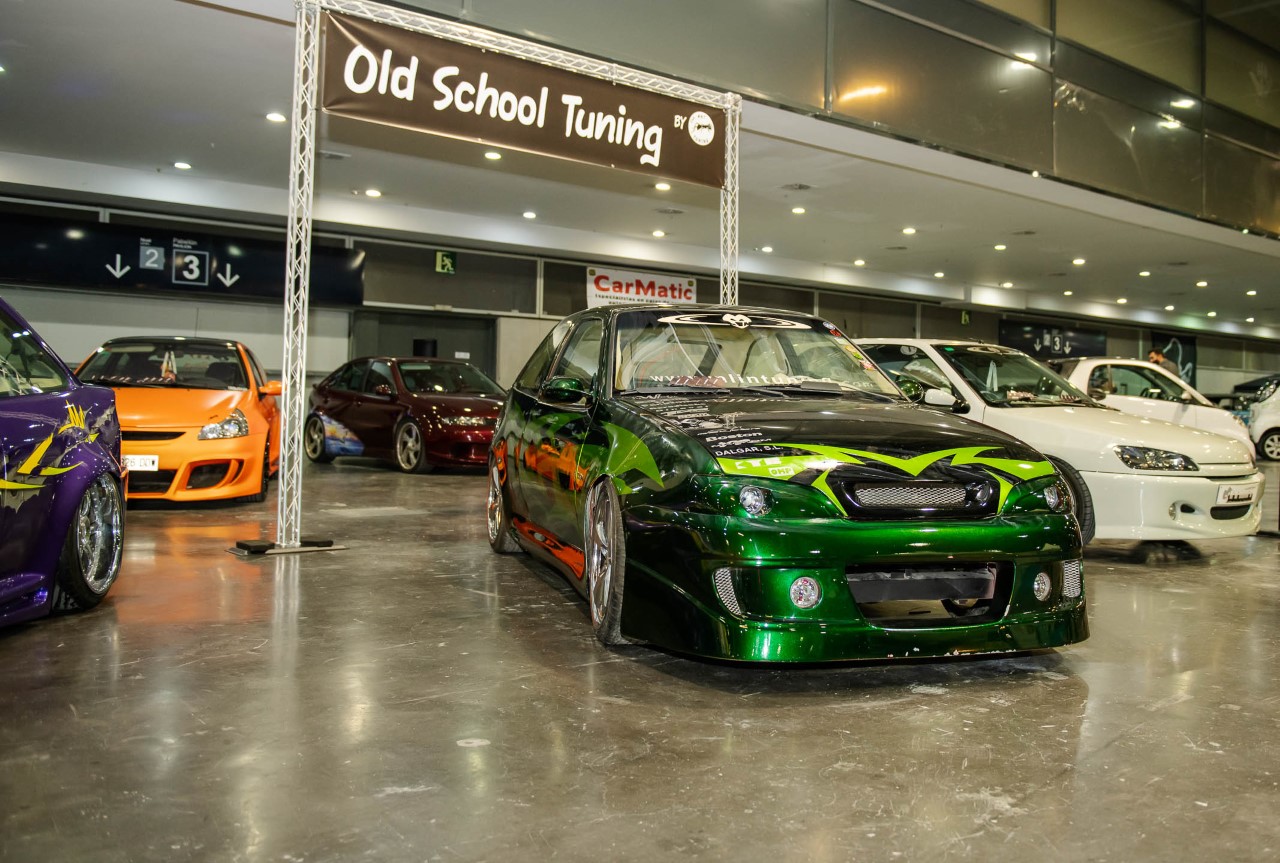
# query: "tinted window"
1005,377
425,377
907,362
581,357
180,363
25,367
1135,381
379,376
350,378
257,369
534,370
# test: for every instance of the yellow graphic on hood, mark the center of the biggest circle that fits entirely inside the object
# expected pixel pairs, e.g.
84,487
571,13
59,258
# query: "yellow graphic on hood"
31,466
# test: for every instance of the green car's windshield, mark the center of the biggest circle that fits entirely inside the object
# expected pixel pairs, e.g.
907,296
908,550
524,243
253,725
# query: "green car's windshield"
1005,377
672,351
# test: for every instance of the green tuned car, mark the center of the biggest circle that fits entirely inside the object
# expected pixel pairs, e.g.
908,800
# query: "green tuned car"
744,484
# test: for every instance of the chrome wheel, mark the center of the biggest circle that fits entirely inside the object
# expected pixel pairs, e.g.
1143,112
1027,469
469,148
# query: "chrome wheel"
313,439
99,531
605,562
409,447
493,509
1270,446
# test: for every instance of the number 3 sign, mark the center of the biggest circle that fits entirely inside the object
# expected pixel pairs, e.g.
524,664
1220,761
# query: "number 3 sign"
190,268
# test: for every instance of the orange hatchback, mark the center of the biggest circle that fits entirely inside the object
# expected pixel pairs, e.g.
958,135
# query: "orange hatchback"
198,419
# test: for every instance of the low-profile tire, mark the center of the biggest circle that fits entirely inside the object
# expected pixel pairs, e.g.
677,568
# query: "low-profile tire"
498,516
91,552
1081,500
1269,445
313,441
411,449
261,494
605,561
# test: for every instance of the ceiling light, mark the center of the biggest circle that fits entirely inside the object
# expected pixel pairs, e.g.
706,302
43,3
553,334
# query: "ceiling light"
1067,293
1183,103
768,250
1250,293
799,211
1168,308
859,263
1248,320
908,230
863,92
1028,56
1001,247
1169,124
492,155
1122,301
1079,262
1035,175
182,166
939,274
1244,230
662,187
659,234
1145,273
1,68
1202,284
75,234
1006,284
276,117
529,214
1213,314
373,193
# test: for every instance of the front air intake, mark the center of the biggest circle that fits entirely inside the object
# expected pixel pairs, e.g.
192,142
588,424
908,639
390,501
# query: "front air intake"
1072,581
723,579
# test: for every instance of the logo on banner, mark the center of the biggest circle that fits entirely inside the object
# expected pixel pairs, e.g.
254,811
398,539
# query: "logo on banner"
612,287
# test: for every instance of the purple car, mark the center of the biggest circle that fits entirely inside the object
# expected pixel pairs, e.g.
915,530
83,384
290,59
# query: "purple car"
61,519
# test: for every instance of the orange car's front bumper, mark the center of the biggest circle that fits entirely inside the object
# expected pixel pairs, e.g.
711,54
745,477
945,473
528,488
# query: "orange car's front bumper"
189,469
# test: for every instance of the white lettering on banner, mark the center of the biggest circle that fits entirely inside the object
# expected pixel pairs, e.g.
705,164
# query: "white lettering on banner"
481,98
400,79
616,129
609,287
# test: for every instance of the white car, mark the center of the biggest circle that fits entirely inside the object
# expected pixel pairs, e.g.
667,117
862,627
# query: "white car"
1147,390
1264,421
1131,477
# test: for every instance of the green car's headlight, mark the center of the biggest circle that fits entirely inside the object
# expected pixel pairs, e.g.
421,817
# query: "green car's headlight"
1145,458
757,497
233,426
1038,495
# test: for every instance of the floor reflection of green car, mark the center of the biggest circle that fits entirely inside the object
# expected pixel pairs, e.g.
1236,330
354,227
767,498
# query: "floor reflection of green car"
743,484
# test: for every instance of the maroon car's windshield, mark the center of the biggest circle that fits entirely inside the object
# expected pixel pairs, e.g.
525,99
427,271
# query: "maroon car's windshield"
428,378
167,363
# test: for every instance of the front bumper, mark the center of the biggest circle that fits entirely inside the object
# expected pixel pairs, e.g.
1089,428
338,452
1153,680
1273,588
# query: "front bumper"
194,470
1170,507
671,597
458,446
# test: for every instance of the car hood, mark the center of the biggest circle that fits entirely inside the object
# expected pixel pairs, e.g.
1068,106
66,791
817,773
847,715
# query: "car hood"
1087,437
174,407
450,404
797,438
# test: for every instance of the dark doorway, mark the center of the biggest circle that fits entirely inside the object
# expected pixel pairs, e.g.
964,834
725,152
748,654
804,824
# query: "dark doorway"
426,347
472,339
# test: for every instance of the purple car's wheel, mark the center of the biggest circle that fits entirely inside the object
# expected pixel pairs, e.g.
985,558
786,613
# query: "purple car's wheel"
90,559
498,521
411,452
605,561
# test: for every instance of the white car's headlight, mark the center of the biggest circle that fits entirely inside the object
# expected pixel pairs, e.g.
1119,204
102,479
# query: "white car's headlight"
233,426
1145,458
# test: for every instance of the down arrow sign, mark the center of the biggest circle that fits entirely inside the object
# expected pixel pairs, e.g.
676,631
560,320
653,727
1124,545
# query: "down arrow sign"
119,269
228,279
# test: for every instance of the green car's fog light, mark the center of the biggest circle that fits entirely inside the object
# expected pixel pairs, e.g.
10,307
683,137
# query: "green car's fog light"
805,592
755,500
1042,586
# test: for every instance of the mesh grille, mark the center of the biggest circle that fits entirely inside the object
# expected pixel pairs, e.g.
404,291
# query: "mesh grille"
724,589
911,497
1071,583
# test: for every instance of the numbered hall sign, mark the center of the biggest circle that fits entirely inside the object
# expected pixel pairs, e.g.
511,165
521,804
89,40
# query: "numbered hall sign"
190,267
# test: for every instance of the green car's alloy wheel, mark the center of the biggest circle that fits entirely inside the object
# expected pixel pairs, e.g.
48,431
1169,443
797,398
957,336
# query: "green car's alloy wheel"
498,522
90,559
605,561
411,454
1269,446
313,441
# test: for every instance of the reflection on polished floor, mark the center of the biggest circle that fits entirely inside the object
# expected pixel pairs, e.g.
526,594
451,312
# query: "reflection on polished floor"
419,698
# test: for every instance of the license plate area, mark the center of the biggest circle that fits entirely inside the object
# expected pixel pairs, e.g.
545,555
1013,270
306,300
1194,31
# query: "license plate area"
1237,494
141,462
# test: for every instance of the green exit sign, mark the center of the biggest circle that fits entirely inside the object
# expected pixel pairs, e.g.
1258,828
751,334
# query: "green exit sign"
447,262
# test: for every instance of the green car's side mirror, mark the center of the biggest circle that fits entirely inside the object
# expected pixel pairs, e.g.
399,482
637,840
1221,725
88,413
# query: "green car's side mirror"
565,389
911,389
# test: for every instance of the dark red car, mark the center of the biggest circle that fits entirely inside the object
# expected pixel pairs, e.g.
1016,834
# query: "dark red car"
420,413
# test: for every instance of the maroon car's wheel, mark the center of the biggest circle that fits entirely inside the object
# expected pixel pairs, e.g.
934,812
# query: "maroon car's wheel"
411,452
313,441
90,559
498,519
605,561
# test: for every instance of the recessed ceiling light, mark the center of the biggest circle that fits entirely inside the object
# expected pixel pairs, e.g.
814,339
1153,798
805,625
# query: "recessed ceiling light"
1001,247
1169,124
1,68
75,234
1250,293
1183,103
908,230
1202,284
1168,308
492,155
1079,262
768,250
1248,320
373,193
1213,314
1067,293
662,187
1006,284
1122,301
276,117
659,234
799,211
859,263
1145,273
529,214
182,166
1244,230
939,274
1035,175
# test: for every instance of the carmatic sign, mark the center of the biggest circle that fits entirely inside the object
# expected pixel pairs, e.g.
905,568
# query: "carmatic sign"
608,287
399,77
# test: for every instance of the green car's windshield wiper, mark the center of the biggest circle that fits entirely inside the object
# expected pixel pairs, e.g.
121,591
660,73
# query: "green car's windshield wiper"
682,390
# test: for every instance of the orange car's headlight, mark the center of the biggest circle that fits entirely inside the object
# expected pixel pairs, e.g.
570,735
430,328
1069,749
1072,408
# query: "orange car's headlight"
233,426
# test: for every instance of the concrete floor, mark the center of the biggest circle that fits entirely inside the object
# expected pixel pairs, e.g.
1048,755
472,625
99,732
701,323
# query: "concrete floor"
419,698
